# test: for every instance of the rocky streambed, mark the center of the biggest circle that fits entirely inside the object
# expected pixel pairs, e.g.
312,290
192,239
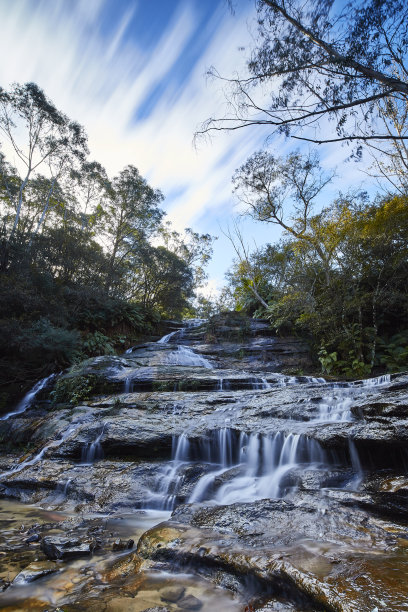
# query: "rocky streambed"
192,473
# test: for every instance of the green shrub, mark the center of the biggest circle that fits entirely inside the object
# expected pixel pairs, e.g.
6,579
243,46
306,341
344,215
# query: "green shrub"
74,390
394,352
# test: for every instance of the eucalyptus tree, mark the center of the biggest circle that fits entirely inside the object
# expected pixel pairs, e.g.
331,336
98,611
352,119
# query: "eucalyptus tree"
42,139
89,185
319,60
193,248
282,191
160,279
131,216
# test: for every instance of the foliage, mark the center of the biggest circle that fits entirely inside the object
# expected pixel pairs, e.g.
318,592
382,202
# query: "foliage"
354,305
80,270
193,248
393,353
74,390
97,343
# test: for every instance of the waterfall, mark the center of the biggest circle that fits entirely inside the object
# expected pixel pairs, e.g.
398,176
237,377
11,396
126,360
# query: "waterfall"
260,383
356,465
169,478
39,456
184,356
336,406
166,339
93,451
260,467
264,463
28,399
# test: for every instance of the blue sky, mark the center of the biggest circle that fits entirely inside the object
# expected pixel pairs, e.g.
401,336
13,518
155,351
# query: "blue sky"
133,73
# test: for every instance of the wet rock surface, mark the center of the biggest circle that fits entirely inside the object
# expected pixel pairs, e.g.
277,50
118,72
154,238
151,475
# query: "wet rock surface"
286,492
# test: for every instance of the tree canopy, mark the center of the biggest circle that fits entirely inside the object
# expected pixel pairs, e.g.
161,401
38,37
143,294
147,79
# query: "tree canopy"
320,59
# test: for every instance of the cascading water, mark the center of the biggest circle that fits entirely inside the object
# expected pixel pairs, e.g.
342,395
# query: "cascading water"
28,399
241,467
93,450
184,356
166,339
32,460
336,406
164,494
249,466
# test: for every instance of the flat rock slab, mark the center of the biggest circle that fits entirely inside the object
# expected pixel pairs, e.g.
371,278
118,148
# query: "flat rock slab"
328,557
66,549
36,570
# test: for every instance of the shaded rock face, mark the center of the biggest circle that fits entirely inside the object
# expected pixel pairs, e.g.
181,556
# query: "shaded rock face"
286,490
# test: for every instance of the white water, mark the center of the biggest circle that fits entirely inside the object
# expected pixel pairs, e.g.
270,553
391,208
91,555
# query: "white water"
54,444
166,339
93,450
28,399
260,467
248,466
336,406
184,356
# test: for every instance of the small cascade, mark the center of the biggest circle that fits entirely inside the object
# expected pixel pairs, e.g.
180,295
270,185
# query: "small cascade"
184,356
356,464
260,465
63,488
265,463
28,399
336,406
127,387
260,383
170,478
166,339
374,382
39,456
93,451
285,381
66,487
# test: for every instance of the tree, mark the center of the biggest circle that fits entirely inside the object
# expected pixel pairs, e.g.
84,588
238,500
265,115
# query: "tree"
268,185
247,269
89,184
323,60
391,160
193,248
160,279
41,137
359,316
131,216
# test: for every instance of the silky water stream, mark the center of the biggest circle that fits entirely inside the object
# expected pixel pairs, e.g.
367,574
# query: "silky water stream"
234,465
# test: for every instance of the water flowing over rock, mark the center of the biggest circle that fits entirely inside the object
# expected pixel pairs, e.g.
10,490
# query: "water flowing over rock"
257,488
28,399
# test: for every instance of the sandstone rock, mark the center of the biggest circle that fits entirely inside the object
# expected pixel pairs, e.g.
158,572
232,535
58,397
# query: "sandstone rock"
34,571
129,604
172,594
189,602
65,549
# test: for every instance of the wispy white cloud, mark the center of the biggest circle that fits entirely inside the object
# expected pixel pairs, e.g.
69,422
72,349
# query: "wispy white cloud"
104,82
